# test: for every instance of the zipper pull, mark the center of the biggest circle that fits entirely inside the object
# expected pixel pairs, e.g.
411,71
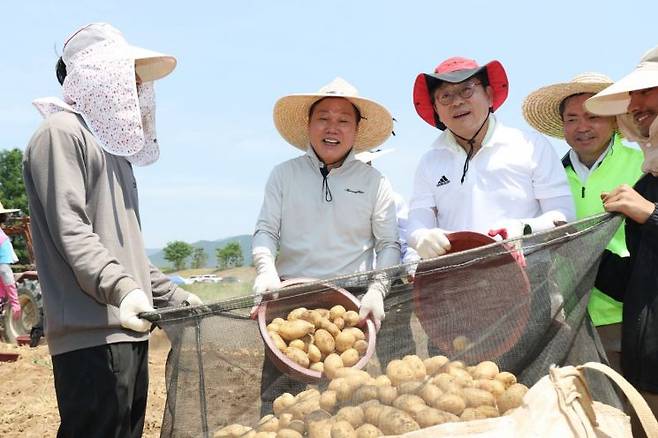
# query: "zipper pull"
583,193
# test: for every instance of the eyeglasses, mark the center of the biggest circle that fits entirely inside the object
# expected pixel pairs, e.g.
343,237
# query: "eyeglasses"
446,97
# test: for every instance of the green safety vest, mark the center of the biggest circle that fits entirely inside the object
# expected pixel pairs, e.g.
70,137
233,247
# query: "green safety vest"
622,165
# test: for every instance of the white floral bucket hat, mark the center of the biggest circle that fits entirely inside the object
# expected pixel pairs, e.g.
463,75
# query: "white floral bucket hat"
110,83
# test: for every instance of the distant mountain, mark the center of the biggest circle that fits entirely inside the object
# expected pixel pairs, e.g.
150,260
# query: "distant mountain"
157,255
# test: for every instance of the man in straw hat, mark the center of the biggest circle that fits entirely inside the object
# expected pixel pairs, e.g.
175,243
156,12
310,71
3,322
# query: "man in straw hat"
7,258
479,175
597,162
633,280
325,213
95,276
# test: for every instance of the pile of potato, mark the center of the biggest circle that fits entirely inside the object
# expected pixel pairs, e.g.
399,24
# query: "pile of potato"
323,340
412,395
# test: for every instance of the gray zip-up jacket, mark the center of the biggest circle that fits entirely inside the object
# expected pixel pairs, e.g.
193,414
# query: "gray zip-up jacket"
87,236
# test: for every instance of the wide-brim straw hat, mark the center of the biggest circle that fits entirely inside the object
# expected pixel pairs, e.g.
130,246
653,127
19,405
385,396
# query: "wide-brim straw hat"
291,116
149,65
541,108
614,100
7,210
455,70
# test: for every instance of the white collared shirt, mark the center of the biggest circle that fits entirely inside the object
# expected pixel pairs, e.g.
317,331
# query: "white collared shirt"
313,237
582,170
506,179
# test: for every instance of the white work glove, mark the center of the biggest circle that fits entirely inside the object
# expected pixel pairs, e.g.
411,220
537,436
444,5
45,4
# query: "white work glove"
372,303
133,304
193,300
267,278
429,243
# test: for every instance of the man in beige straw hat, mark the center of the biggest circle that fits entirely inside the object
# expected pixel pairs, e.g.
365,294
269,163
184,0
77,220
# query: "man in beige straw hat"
597,162
633,280
326,213
94,273
479,174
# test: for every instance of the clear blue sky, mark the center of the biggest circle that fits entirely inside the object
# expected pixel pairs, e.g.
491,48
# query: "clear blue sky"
214,112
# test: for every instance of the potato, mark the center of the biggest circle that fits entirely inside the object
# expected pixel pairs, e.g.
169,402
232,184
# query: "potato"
417,366
361,347
387,394
383,380
429,392
365,393
332,363
461,343
298,426
349,357
324,341
475,397
410,387
263,435
344,341
298,344
471,414
328,401
450,403
288,433
344,390
399,371
431,417
342,429
511,398
314,353
433,365
351,318
315,416
507,379
317,366
269,423
296,313
271,327
442,380
460,374
278,341
304,407
295,329
357,332
496,387
349,372
397,422
330,327
312,316
308,394
339,322
456,364
406,402
296,355
373,412
278,321
285,419
336,311
352,414
485,370
320,429
282,403
367,430
232,430
488,411
324,313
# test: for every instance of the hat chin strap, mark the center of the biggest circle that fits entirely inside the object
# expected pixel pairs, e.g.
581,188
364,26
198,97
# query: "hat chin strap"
324,171
471,143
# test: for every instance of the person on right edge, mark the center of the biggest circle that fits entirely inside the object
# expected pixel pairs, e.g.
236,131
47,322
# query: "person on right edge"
633,280
597,162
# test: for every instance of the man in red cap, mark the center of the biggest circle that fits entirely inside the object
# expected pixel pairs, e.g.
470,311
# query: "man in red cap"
479,174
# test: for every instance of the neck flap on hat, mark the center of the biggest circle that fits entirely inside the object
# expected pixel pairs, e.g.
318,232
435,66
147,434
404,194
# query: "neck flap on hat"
100,85
649,145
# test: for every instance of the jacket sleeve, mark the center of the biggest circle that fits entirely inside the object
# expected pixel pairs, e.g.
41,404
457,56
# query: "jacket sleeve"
650,227
613,275
165,293
385,227
268,225
57,167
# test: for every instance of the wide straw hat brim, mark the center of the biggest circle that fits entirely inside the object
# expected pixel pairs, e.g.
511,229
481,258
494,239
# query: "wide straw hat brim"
291,120
425,83
541,108
614,100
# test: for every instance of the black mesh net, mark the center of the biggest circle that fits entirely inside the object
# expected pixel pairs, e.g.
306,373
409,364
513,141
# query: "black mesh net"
519,303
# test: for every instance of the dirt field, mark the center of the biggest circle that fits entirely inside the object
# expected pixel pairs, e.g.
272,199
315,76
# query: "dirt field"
28,407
